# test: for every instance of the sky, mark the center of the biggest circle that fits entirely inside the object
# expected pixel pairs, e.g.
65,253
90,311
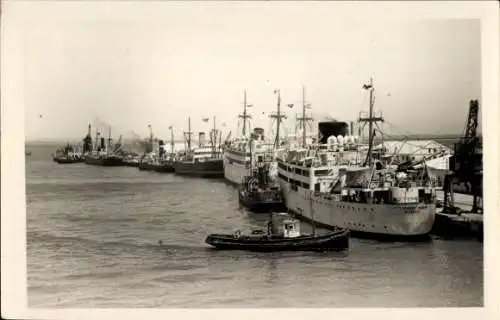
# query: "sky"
84,62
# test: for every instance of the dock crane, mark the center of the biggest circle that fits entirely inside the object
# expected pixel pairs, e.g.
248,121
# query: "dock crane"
466,165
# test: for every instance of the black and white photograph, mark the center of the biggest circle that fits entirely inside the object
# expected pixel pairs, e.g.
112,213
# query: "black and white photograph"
260,154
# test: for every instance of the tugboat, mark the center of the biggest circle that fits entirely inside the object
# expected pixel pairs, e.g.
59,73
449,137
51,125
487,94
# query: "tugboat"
66,155
286,238
261,194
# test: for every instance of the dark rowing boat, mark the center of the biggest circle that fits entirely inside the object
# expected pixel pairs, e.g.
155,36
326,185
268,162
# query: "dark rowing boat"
286,239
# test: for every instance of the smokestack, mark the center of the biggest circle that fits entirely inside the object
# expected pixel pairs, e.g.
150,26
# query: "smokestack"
201,139
352,128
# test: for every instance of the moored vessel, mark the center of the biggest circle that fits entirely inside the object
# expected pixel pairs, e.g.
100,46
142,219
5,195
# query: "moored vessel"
67,155
131,159
337,183
237,151
260,193
203,161
104,154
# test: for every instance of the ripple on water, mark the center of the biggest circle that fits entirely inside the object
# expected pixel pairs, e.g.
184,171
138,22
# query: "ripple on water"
93,241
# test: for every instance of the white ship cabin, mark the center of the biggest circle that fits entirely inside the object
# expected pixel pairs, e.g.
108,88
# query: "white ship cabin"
202,153
240,150
368,185
412,150
317,167
282,224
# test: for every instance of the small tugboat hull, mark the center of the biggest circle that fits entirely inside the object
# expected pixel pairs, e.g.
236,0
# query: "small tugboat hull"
67,160
262,206
333,241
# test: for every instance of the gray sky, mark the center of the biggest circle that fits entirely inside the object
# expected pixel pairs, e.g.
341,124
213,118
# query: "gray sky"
131,71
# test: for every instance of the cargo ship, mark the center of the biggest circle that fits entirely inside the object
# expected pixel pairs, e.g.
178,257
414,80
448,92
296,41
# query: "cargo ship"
203,161
338,183
67,155
161,162
237,152
104,154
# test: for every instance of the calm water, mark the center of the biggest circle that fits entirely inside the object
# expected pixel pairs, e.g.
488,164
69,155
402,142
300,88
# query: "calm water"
93,237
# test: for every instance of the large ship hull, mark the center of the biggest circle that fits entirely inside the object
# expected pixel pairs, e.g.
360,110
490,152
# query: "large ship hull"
104,161
261,205
235,172
165,167
371,220
213,168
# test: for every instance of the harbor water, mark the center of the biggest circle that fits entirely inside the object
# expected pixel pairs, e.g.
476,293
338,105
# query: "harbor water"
94,233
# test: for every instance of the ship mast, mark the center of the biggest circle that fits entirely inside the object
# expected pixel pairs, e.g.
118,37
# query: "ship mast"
214,139
171,139
371,119
109,139
245,115
97,142
304,119
150,146
278,116
188,135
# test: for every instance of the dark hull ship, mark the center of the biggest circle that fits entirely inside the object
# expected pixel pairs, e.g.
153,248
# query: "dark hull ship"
289,239
204,168
203,162
104,160
259,194
162,163
67,159
160,166
67,155
165,166
100,155
131,160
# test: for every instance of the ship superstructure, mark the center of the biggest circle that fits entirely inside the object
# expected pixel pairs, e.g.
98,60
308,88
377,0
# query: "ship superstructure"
338,182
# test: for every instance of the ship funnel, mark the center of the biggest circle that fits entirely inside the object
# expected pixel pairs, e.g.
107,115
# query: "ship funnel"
331,128
161,147
103,143
259,132
201,138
